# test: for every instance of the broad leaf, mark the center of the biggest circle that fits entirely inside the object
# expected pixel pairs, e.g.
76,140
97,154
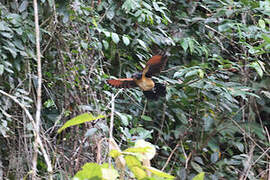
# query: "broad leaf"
199,176
115,38
86,117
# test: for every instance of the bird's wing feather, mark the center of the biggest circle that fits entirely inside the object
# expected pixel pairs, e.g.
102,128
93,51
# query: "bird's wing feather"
122,83
154,65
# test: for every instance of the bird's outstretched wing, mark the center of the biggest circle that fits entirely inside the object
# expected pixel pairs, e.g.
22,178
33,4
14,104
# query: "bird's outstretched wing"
122,83
154,65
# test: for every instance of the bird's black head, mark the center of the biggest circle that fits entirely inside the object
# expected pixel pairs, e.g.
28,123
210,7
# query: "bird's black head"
137,76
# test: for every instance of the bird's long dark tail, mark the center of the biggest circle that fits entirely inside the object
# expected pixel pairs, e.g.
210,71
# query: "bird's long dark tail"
158,91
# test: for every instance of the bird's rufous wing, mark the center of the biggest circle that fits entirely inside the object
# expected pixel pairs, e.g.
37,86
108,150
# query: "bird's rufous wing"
122,83
154,65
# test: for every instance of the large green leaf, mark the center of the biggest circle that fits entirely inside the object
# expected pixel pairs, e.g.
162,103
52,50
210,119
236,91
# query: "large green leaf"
158,172
199,176
86,117
91,171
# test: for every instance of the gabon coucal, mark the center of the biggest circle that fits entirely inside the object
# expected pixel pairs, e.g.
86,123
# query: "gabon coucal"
151,89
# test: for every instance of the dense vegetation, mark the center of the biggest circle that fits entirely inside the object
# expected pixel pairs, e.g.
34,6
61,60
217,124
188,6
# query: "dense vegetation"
215,117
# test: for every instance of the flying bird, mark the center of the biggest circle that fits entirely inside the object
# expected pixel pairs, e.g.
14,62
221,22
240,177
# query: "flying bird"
151,89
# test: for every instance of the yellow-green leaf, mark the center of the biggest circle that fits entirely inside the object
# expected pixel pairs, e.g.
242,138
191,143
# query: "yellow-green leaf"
150,151
114,153
89,170
158,172
86,117
109,174
132,161
135,166
199,176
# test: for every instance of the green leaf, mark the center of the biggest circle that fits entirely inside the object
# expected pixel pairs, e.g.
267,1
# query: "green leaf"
239,145
184,44
110,13
262,23
90,171
23,6
11,50
126,40
199,176
4,26
207,122
142,43
156,6
105,44
146,118
257,67
94,22
109,174
86,117
1,69
84,45
115,38
266,38
124,118
135,166
196,167
201,73
158,172
191,73
107,34
7,35
191,45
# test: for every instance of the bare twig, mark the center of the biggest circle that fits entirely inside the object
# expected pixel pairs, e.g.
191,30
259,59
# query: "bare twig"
38,105
30,117
111,125
249,162
246,134
169,158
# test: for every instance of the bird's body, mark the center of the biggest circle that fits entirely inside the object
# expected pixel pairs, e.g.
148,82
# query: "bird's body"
145,84
143,79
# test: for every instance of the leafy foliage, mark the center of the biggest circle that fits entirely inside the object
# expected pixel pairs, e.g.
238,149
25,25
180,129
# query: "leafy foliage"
86,117
214,121
134,163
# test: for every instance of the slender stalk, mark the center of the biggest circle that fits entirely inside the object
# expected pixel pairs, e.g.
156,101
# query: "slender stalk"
38,140
111,125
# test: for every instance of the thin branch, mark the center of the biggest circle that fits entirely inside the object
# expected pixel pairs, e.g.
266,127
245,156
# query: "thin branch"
170,156
111,125
246,134
38,105
30,117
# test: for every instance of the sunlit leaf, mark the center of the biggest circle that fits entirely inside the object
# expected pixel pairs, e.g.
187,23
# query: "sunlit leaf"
151,150
23,6
109,174
126,40
158,172
86,117
142,43
89,170
257,67
196,167
199,176
1,69
185,44
115,37
135,166
105,44
146,118
261,23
